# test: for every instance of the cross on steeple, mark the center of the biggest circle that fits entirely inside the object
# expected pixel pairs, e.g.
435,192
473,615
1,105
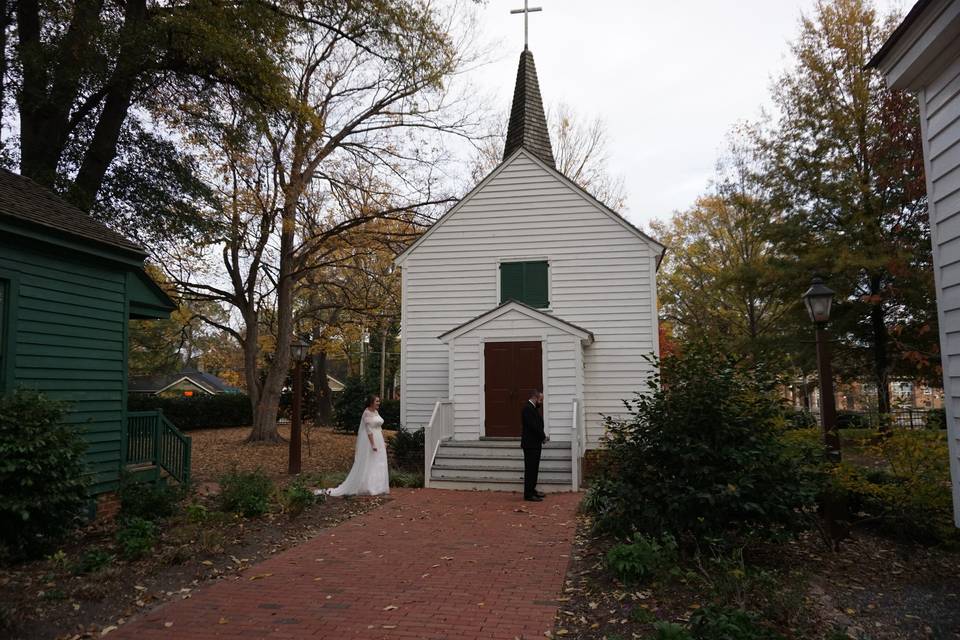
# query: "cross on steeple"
526,11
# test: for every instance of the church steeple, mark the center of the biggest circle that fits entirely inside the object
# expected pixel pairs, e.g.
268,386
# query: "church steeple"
528,123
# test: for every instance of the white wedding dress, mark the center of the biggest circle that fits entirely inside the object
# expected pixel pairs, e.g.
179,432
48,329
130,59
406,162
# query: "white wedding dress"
369,476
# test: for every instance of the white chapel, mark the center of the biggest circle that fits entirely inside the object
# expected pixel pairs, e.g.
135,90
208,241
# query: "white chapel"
527,282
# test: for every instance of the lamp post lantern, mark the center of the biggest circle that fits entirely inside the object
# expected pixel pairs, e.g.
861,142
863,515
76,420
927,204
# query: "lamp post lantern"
298,351
818,300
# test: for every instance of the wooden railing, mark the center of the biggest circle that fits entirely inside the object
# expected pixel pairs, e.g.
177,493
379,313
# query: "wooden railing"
578,444
439,429
152,439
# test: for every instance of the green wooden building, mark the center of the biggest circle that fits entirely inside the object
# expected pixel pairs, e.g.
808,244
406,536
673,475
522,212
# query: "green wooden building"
68,288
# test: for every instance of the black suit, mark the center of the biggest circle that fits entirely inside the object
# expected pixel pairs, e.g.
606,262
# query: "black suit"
532,438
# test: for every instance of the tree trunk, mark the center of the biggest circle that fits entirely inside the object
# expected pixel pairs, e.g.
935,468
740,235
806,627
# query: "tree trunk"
251,349
265,411
323,413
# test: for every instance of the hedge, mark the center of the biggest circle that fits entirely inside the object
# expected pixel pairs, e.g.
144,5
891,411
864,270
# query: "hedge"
348,406
198,412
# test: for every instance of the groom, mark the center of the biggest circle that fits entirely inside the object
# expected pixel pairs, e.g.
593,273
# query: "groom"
532,438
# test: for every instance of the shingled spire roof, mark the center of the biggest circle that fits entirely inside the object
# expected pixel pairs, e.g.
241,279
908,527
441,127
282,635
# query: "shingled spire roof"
528,123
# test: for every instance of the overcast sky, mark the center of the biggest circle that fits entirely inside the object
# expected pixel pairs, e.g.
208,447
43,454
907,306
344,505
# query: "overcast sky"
669,78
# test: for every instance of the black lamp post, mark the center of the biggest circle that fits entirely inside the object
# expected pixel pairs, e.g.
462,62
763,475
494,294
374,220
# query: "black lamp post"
298,351
818,299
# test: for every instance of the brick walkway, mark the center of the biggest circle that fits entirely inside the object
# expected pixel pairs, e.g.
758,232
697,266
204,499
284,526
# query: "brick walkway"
428,564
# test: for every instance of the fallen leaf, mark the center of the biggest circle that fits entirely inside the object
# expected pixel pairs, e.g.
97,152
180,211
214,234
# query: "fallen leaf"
168,624
261,576
390,607
222,620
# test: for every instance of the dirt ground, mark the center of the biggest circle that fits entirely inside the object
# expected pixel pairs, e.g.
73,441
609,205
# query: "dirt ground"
216,451
872,589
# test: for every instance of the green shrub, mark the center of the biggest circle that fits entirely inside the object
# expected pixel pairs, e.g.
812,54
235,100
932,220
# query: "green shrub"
390,412
799,419
670,631
197,513
642,559
147,500
936,419
42,477
722,623
296,497
910,496
699,456
407,449
246,492
411,479
853,420
91,561
348,406
136,538
198,411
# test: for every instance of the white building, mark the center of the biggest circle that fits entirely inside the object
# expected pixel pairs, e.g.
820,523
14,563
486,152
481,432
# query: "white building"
527,282
923,56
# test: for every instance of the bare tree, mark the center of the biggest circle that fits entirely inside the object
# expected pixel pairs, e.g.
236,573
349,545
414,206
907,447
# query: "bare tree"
580,149
368,88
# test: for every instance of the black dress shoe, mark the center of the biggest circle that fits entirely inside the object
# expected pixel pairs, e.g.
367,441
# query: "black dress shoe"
533,498
540,494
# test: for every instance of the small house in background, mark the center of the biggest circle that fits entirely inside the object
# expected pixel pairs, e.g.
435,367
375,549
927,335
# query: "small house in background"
193,382
923,56
68,288
187,383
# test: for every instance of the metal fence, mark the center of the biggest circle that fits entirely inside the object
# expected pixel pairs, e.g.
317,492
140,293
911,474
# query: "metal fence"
897,419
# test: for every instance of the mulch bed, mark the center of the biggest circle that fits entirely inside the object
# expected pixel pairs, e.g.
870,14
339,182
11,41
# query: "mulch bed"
873,588
45,600
217,451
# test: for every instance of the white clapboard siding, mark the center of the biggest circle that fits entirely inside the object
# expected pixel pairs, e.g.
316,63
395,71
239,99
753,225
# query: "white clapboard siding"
601,278
924,57
940,122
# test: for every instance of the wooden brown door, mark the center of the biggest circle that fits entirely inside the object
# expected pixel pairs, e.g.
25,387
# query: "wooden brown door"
511,370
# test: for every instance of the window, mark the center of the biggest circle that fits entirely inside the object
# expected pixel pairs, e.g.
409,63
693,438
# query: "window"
525,282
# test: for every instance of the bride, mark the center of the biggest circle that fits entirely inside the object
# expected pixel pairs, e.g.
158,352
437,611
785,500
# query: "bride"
369,476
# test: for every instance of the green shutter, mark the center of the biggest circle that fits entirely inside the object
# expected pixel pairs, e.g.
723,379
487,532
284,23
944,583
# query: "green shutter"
535,291
525,282
511,281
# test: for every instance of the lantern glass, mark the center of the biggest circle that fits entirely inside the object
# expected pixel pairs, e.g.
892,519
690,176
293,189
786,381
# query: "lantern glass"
298,350
818,300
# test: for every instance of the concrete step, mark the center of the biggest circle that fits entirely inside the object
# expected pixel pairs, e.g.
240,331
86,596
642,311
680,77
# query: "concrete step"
505,443
492,484
495,474
463,462
475,453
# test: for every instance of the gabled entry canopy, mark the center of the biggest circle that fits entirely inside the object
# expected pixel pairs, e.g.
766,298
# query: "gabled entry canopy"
585,336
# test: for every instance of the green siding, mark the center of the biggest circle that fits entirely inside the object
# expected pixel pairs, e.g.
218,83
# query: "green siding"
70,343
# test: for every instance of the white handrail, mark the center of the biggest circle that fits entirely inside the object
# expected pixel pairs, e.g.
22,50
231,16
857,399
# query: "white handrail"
439,428
575,450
